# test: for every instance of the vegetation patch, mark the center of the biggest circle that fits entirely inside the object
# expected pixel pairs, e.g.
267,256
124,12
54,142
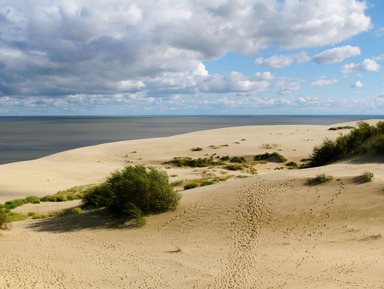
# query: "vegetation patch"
134,192
234,167
358,140
341,127
189,162
367,176
196,149
270,157
5,222
319,179
270,146
238,160
292,164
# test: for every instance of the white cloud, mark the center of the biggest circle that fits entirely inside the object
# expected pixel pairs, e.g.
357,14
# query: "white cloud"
276,61
287,86
325,82
337,54
367,65
281,61
263,76
357,84
78,47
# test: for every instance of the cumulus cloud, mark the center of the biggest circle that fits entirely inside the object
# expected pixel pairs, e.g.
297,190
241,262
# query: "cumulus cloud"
337,54
367,65
115,51
324,82
357,84
281,61
288,86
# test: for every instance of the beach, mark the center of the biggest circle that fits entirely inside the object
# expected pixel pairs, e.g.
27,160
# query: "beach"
263,227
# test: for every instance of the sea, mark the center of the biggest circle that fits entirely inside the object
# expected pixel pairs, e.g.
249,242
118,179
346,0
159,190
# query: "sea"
33,137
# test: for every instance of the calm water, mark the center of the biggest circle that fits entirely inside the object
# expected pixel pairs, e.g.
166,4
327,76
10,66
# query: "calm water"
27,138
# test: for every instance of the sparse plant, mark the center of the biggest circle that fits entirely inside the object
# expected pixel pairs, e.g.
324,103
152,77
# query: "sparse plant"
5,222
191,186
268,146
367,176
189,162
292,164
234,167
196,149
319,179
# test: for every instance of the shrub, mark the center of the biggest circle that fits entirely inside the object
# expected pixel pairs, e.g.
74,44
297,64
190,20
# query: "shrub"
367,176
225,158
237,160
132,189
234,167
33,200
268,156
189,162
99,196
5,223
191,186
378,143
206,183
196,149
345,145
15,203
319,179
292,164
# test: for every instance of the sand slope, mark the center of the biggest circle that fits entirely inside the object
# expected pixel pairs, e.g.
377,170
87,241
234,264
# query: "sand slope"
266,231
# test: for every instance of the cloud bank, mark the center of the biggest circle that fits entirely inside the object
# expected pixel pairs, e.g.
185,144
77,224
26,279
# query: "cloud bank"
101,48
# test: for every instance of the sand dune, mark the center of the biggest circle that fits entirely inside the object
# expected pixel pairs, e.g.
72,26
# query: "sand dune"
270,230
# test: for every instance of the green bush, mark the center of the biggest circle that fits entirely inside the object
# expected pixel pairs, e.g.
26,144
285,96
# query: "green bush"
132,189
5,223
237,160
346,145
234,167
15,203
367,176
189,162
33,200
196,149
191,186
225,158
378,143
319,179
270,156
292,164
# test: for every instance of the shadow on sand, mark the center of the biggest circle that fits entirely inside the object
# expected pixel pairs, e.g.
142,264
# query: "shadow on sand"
92,220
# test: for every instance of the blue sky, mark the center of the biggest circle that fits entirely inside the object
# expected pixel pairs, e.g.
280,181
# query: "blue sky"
180,57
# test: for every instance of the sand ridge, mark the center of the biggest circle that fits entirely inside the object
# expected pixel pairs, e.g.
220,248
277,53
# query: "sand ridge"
271,230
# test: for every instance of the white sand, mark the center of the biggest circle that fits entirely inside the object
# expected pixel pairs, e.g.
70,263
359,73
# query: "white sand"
270,230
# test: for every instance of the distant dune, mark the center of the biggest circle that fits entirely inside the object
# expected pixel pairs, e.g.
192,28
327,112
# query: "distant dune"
269,230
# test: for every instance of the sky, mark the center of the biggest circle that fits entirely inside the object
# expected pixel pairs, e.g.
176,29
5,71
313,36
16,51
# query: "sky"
191,57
